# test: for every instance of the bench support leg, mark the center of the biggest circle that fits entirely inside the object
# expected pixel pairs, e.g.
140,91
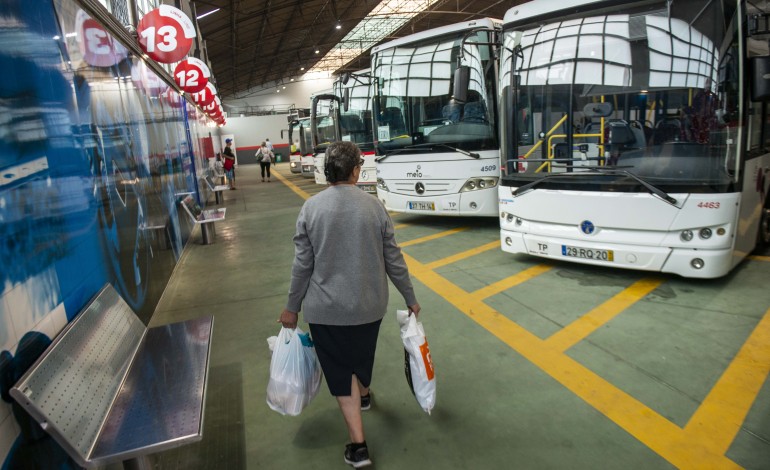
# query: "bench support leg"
138,463
218,195
209,233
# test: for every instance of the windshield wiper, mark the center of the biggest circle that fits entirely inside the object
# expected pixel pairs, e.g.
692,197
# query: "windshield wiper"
428,146
464,152
398,150
601,170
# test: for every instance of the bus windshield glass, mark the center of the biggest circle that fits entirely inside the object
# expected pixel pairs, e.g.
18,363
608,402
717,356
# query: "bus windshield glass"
413,103
652,92
356,120
326,112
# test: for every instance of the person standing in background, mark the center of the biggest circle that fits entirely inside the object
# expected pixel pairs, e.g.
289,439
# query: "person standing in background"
229,163
264,157
270,147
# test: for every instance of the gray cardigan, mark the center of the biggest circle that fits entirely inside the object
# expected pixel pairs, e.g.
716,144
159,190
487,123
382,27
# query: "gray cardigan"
345,251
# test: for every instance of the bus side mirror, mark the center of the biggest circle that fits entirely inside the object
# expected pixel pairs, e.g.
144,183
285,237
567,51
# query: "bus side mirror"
760,78
462,79
346,99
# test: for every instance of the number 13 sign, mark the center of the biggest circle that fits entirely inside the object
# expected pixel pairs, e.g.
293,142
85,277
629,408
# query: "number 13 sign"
166,34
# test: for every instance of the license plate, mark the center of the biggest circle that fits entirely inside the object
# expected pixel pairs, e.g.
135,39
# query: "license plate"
587,253
369,188
422,206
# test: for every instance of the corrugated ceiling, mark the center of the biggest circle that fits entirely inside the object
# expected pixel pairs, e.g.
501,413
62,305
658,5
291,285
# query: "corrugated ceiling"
256,43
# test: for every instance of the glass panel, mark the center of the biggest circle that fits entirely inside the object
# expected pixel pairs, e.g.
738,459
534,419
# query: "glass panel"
648,91
414,104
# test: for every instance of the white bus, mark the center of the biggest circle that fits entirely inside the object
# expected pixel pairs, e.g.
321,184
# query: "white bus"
345,114
435,120
302,128
636,135
293,139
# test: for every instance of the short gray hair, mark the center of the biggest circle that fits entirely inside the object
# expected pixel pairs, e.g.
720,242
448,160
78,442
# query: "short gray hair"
341,158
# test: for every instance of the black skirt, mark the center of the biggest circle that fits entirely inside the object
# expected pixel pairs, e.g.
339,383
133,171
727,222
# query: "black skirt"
344,351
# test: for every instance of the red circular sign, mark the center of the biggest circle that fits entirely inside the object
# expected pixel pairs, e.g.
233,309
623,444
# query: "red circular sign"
211,107
97,47
166,34
205,96
192,75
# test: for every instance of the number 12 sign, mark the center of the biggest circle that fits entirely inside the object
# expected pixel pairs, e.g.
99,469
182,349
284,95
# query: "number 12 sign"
166,34
192,75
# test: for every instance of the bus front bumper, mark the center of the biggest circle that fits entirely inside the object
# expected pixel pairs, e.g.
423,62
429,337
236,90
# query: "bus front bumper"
481,203
691,263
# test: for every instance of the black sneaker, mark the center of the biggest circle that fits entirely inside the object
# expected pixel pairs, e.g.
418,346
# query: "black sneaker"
366,402
357,455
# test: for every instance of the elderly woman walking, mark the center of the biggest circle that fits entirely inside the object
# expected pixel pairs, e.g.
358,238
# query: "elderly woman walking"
345,251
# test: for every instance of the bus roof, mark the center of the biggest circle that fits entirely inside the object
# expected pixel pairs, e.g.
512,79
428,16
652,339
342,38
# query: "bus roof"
538,8
465,25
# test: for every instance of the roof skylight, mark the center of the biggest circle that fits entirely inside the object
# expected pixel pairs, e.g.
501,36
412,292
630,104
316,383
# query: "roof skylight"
386,18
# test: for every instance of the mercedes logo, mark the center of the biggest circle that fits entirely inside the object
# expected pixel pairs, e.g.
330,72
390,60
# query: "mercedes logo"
419,187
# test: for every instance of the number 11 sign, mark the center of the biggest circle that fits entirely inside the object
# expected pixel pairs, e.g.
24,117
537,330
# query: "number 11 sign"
166,34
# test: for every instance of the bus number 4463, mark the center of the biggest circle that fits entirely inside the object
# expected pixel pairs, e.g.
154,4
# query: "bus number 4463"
708,205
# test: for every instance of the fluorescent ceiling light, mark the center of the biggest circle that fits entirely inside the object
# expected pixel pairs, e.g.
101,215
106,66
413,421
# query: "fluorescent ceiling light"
385,18
207,14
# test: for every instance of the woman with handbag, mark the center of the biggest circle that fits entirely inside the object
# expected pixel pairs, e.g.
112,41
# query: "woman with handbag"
265,158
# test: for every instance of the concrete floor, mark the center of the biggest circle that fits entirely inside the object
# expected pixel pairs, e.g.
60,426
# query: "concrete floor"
539,365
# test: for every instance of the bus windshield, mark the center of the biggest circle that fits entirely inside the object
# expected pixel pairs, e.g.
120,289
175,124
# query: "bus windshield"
356,120
325,114
652,92
413,105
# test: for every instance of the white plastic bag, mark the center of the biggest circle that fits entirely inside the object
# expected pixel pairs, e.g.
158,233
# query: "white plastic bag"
418,364
295,373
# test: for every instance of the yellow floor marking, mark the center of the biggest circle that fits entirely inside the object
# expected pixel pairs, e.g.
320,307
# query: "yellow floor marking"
465,254
588,323
719,418
509,282
292,186
432,237
400,226
650,428
759,258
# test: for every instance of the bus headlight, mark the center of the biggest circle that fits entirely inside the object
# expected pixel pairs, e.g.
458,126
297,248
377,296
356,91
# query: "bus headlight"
686,235
705,233
479,183
381,184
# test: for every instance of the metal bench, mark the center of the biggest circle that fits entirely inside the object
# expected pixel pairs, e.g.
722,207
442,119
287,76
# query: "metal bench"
205,218
108,389
217,189
157,227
